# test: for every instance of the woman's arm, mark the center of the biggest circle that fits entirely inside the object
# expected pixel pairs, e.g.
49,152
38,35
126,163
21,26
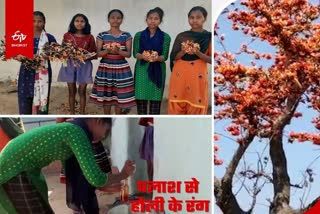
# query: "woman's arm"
126,54
79,144
92,48
136,46
207,57
100,52
180,54
204,57
165,48
127,170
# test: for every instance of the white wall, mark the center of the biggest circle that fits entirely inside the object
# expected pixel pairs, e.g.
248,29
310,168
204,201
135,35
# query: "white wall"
183,150
59,14
126,137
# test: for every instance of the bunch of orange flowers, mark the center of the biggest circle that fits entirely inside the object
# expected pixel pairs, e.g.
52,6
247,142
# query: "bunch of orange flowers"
112,47
65,52
151,55
190,46
33,64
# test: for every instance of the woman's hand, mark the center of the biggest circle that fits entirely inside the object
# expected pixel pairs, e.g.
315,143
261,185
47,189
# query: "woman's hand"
116,187
19,57
128,168
146,58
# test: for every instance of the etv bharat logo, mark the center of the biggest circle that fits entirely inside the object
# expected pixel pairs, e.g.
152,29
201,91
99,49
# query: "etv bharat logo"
19,36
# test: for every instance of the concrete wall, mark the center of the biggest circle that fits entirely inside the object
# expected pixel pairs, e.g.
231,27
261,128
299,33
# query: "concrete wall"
126,137
59,14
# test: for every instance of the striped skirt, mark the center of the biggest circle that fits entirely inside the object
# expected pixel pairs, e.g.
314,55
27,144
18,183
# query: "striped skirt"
113,84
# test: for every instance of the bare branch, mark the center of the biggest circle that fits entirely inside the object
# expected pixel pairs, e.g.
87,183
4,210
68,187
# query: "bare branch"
226,200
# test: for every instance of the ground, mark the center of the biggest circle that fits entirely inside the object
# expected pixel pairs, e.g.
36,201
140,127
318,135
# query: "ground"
57,192
58,101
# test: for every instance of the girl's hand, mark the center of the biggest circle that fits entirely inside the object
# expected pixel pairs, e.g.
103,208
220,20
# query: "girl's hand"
109,50
183,49
115,170
128,168
116,50
44,57
19,57
111,188
146,58
192,52
159,59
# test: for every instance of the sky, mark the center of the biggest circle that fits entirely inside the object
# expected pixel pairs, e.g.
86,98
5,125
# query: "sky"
299,155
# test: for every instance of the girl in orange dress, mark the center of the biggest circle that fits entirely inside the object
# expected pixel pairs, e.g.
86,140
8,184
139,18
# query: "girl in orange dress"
188,89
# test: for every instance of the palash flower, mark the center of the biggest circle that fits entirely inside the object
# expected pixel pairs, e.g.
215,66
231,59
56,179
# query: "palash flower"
33,64
30,64
53,52
190,46
66,51
113,46
152,55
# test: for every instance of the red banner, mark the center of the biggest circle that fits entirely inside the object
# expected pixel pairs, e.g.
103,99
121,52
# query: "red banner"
314,210
19,28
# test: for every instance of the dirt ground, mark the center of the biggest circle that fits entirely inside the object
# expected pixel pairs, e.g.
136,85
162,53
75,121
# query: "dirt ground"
58,102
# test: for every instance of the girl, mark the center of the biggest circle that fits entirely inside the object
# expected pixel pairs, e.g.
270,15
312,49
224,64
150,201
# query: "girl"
188,89
79,35
34,86
150,72
113,84
22,186
81,197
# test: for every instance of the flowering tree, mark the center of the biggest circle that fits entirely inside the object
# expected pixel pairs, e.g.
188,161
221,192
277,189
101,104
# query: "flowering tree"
260,101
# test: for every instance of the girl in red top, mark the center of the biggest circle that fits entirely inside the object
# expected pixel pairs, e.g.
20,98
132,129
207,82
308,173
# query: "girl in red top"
79,35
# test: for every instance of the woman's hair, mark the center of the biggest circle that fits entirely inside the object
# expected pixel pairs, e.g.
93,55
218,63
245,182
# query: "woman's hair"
115,10
87,27
105,120
199,8
39,13
157,10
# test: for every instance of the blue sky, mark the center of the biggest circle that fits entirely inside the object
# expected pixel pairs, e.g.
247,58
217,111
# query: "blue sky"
299,156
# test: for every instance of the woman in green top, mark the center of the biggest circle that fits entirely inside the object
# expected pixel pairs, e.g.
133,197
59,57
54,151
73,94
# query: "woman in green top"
22,186
150,71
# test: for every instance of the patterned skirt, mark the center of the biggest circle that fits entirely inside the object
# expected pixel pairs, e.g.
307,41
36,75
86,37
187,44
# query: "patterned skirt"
113,84
25,197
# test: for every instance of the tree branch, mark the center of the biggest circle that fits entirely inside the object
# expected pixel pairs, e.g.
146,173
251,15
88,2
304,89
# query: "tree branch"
250,174
281,179
225,198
